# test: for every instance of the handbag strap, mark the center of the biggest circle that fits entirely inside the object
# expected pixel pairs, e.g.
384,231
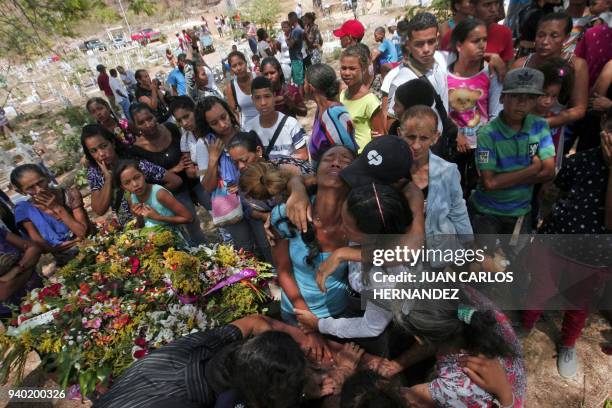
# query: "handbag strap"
279,128
438,100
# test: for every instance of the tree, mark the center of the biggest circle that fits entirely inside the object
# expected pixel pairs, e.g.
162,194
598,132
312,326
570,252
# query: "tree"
264,13
34,27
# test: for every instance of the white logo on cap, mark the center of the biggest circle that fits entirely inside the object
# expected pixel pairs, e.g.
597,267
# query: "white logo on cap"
374,159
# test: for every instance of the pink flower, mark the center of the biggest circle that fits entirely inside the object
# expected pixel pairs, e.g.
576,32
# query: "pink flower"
93,324
135,262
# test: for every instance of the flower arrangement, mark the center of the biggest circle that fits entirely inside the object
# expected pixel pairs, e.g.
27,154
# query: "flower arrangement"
122,297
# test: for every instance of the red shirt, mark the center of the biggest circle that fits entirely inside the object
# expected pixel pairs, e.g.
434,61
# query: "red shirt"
104,85
595,49
499,41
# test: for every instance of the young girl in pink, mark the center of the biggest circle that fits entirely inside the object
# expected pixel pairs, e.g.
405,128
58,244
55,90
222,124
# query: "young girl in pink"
473,94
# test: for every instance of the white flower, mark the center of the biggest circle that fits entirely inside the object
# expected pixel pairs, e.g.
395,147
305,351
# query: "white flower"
37,308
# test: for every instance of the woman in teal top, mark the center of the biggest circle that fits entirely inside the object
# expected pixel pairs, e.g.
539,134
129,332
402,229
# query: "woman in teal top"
151,203
298,254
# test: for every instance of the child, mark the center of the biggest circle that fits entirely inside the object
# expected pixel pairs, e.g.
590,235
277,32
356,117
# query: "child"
151,202
514,152
256,60
280,134
362,105
194,151
558,83
473,95
53,218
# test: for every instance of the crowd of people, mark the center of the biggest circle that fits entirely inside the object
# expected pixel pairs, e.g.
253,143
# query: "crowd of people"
479,130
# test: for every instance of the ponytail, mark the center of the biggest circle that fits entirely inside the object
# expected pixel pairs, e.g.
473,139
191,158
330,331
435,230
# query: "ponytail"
262,181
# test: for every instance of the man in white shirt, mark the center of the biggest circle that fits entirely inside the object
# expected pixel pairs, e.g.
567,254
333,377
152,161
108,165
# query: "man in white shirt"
120,92
421,59
298,10
290,138
128,78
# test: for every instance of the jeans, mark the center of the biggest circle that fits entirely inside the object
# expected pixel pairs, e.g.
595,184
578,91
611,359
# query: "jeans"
193,232
249,234
253,45
125,105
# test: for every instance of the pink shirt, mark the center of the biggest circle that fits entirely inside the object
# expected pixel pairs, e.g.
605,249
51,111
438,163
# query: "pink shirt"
472,102
596,50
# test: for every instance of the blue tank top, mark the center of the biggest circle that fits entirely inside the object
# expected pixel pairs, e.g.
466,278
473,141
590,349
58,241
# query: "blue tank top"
154,203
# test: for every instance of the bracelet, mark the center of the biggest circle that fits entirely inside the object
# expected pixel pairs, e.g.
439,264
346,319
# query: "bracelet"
507,406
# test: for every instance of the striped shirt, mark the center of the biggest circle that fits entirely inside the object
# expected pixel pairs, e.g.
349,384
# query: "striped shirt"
503,150
175,371
334,128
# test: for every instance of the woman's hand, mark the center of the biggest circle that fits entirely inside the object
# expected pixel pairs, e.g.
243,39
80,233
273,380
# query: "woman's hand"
326,268
269,232
308,322
48,200
233,188
389,368
106,173
347,359
317,348
599,102
148,212
497,66
489,375
318,386
463,146
298,210
215,149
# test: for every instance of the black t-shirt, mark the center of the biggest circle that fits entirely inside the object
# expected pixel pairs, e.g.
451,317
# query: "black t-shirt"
167,158
162,113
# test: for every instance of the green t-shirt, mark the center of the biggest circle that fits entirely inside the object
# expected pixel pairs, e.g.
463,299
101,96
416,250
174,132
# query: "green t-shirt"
504,150
361,111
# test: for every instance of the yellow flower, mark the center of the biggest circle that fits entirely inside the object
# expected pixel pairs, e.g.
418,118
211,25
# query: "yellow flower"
163,238
226,256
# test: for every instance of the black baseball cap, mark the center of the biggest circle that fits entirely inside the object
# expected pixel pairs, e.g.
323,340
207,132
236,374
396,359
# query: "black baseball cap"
384,160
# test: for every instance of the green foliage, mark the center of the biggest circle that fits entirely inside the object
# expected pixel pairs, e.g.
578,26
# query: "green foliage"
263,12
75,115
142,7
69,143
439,8
31,28
28,27
336,54
105,14
7,145
80,178
26,139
